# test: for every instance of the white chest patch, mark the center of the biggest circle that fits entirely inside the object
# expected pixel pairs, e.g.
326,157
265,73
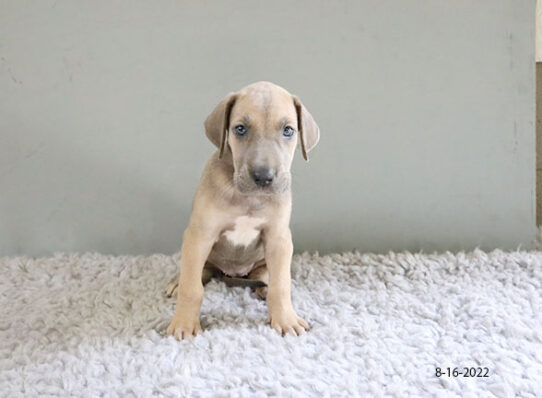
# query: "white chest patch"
244,231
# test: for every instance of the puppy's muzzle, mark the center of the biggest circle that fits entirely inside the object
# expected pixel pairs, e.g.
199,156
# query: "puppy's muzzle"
263,176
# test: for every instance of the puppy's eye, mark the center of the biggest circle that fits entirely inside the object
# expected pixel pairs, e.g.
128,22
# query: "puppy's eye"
288,131
240,130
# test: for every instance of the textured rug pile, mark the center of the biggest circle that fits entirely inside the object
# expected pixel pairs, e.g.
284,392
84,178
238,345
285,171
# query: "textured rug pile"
93,325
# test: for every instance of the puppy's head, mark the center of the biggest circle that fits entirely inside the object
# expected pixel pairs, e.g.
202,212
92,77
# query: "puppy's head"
258,127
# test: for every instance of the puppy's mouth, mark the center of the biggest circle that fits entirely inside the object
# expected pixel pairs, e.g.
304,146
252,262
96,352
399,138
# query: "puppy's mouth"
246,185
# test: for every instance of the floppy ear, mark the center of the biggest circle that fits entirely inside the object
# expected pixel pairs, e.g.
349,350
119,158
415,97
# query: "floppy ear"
309,132
218,122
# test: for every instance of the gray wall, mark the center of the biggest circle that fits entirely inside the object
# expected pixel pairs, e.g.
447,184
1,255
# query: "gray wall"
426,110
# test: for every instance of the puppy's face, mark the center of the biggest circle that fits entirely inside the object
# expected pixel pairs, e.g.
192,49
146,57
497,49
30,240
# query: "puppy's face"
262,137
260,125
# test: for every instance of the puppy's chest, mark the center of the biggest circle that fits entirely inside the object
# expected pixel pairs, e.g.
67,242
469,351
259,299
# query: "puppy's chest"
245,231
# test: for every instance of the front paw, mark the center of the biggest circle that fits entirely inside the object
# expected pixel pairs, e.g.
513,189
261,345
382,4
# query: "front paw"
287,322
182,327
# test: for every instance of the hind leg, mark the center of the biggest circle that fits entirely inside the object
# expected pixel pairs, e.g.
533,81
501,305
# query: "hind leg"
207,273
260,274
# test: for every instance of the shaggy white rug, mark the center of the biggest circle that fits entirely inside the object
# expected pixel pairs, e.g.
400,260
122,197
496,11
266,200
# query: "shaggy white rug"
92,325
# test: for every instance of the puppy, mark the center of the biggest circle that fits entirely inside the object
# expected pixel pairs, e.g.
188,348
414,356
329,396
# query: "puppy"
241,212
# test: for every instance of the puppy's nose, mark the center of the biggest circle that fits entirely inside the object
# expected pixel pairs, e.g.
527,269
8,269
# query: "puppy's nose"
263,176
